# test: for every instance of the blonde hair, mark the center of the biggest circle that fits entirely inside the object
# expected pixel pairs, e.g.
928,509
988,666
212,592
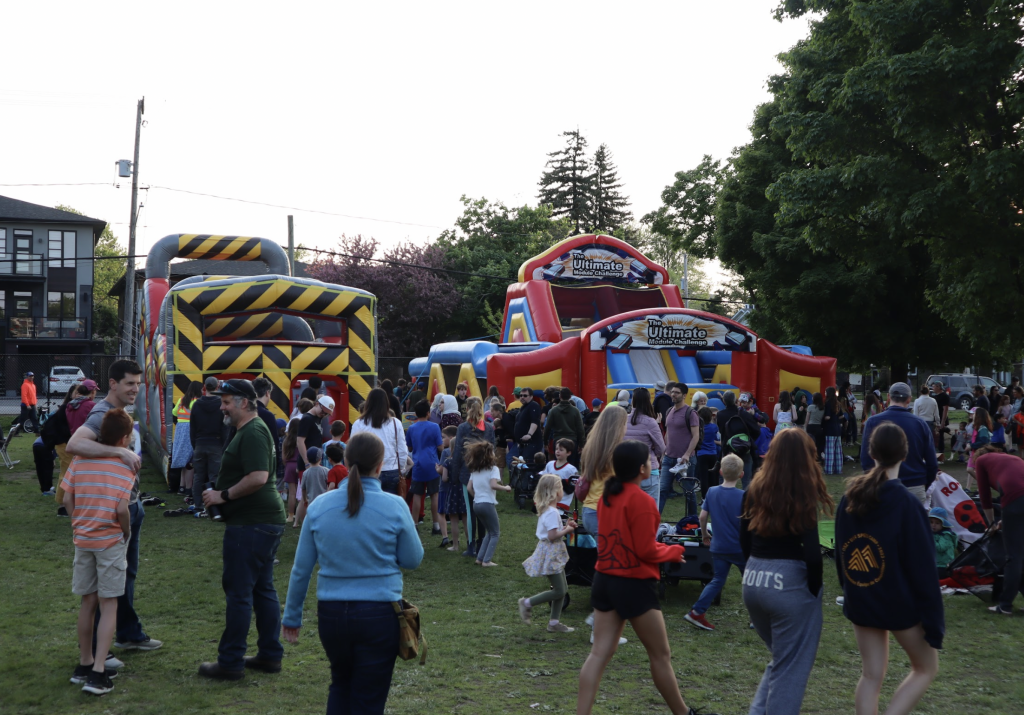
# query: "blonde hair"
732,468
608,431
474,410
549,489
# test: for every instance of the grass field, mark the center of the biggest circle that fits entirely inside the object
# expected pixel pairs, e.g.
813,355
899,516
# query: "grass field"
482,659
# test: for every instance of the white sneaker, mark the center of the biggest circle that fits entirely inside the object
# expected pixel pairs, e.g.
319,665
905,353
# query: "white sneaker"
840,600
112,662
622,641
590,620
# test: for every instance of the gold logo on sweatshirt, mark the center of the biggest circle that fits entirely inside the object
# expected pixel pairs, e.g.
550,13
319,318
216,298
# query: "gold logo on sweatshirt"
863,560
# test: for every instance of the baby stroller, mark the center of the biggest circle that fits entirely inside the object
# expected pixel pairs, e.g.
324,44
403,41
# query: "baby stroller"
979,569
523,480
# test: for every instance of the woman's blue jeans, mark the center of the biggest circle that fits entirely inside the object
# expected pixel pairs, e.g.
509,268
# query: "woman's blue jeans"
361,642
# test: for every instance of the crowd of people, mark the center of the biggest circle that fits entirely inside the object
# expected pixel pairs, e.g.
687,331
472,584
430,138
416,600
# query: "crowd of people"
358,503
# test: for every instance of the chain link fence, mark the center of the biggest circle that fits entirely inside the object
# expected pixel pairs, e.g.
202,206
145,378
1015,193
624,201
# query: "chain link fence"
52,375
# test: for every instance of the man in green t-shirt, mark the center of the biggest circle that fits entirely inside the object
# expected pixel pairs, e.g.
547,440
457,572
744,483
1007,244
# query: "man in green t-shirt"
247,497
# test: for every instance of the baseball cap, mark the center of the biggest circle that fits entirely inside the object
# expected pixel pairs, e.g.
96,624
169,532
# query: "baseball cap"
744,397
326,402
30,374
516,391
900,390
596,402
90,384
660,385
313,454
237,387
281,423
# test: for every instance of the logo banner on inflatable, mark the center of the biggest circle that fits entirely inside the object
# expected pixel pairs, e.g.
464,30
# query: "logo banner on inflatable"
597,262
676,332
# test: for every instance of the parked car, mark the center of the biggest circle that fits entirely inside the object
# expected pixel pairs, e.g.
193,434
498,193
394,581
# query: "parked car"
62,378
960,388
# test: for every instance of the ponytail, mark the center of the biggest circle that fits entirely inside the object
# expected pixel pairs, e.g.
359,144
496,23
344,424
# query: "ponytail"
363,455
355,490
888,447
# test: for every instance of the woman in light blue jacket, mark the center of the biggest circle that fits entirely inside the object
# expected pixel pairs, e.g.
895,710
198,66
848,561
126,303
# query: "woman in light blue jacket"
362,537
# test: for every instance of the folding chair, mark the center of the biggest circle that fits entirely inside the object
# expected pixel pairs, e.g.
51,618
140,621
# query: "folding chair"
8,462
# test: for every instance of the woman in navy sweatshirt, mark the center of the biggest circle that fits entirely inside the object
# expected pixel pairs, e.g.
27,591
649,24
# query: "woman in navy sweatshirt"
885,556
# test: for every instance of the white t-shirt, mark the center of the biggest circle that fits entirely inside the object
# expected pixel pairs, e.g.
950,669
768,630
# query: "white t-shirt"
482,491
566,471
548,520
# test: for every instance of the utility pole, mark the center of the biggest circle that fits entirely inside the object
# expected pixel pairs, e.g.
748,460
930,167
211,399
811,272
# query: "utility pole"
686,279
291,246
128,342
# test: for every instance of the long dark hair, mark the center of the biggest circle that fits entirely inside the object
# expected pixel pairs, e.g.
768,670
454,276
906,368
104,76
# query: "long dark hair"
982,419
377,408
831,402
192,393
363,454
628,459
888,447
641,404
290,435
785,401
870,400
816,401
72,393
788,490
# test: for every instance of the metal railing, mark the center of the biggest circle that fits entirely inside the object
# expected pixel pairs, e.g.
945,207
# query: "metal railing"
46,328
21,264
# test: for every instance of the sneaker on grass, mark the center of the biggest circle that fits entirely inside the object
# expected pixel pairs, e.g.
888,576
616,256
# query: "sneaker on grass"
49,492
148,644
622,641
525,610
113,662
98,683
559,628
699,620
81,674
61,511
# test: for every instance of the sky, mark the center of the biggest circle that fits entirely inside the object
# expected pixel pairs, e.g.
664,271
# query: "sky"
380,116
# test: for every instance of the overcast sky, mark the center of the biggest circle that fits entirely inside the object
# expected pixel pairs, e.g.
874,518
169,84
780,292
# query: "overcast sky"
386,111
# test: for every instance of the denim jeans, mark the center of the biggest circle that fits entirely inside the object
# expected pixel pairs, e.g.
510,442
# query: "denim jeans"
590,521
389,479
361,642
129,628
206,462
722,563
652,486
511,452
248,582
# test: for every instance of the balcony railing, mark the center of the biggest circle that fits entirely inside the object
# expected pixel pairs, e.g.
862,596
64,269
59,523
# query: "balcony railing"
46,329
21,264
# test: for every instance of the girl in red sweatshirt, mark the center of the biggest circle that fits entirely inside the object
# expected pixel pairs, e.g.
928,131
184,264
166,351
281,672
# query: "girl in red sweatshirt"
628,558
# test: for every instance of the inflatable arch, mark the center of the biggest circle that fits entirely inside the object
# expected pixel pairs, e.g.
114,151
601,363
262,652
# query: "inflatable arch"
248,327
595,315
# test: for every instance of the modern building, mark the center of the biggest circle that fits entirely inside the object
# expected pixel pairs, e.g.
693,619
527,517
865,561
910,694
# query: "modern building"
46,280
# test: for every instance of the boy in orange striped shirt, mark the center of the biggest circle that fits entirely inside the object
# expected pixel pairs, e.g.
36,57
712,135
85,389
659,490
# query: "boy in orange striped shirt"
96,493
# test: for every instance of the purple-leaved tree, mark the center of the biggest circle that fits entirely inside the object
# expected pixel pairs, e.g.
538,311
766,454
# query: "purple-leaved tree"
413,305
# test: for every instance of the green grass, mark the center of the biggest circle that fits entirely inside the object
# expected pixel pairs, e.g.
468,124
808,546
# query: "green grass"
482,659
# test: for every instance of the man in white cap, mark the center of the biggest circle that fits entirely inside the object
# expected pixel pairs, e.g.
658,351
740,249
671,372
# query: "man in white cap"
310,432
920,467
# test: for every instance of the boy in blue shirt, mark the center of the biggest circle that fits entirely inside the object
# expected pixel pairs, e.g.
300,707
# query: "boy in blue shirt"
723,504
424,441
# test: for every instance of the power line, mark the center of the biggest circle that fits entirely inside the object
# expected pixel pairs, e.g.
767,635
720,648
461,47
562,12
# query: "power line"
293,208
80,183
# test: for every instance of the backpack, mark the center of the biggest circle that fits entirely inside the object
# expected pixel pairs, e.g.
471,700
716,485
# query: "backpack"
739,442
56,430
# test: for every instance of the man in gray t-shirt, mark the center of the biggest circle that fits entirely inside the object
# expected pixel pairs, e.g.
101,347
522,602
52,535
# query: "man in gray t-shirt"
123,380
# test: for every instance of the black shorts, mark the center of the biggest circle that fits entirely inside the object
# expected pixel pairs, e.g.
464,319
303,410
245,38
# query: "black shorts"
425,487
630,597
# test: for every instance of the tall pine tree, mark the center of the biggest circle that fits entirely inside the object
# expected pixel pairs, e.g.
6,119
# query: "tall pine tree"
610,209
567,183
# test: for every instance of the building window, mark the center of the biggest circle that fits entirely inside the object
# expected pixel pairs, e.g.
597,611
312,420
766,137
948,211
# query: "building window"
62,246
22,303
3,305
60,306
3,240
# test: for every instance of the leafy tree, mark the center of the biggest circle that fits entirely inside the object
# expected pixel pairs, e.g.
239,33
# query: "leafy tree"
686,215
902,119
610,208
871,309
488,244
412,304
567,183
